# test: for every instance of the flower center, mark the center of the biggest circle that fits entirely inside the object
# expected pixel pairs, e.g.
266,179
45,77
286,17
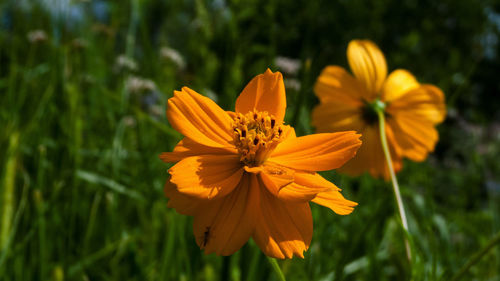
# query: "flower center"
370,111
256,134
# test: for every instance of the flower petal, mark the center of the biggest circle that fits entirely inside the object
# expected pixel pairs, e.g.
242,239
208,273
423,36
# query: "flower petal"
266,92
368,64
314,181
275,177
207,176
413,116
341,99
302,187
225,225
397,84
187,147
318,152
415,138
370,157
183,204
424,103
288,132
283,229
333,117
199,118
336,85
334,200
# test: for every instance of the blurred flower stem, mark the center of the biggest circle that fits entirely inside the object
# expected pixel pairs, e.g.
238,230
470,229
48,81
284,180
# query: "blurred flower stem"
395,185
476,257
276,268
8,189
130,45
134,19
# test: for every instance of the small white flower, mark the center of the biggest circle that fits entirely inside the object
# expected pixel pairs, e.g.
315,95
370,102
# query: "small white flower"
37,36
288,65
124,62
174,56
136,84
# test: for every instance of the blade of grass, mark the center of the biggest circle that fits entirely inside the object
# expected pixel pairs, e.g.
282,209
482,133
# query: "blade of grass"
8,189
19,213
89,260
476,257
109,183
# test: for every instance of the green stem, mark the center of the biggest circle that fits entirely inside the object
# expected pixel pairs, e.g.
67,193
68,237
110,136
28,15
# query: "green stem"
8,191
134,18
276,268
395,185
476,257
129,47
15,223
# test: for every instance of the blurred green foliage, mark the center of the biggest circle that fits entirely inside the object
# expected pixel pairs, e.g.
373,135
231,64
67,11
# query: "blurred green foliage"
83,88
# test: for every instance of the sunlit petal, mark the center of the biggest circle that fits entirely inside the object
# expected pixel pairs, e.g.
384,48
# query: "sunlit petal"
283,229
207,176
225,225
368,64
199,118
319,152
187,147
266,92
334,200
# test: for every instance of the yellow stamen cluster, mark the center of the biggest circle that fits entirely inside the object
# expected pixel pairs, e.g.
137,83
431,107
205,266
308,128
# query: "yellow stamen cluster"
256,134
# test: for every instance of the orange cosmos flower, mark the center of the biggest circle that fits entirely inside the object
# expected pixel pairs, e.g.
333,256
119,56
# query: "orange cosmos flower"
245,174
350,103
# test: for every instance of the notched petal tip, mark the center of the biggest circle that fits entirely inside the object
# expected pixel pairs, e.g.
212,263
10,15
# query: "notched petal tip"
269,72
265,92
335,201
283,229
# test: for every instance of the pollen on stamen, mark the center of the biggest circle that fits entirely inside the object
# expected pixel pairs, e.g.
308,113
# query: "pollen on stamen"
256,134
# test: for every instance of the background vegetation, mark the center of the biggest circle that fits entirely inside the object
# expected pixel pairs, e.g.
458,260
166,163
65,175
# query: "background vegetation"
83,88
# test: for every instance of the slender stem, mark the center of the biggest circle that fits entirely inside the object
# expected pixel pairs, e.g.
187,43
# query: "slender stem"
476,257
7,206
15,223
395,185
276,268
134,18
130,45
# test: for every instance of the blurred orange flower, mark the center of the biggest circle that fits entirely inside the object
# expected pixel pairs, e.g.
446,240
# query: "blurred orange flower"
350,103
245,174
